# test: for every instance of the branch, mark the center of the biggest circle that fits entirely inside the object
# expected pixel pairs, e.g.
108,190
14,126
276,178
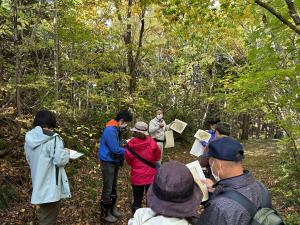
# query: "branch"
293,12
278,15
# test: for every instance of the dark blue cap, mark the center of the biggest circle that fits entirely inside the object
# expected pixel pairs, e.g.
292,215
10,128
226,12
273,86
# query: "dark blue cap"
225,148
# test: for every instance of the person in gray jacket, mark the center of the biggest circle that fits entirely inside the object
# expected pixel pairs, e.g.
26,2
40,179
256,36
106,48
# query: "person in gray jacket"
47,157
157,128
225,160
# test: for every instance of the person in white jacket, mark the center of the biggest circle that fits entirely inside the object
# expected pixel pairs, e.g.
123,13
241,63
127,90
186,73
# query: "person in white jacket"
47,157
172,199
157,128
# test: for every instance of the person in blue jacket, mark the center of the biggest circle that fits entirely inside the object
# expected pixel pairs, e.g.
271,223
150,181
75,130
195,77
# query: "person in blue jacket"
47,157
111,153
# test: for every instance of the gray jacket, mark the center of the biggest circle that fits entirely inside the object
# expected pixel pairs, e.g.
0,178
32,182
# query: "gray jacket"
155,131
224,211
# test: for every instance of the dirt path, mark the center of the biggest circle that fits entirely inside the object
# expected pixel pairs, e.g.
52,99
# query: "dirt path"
83,207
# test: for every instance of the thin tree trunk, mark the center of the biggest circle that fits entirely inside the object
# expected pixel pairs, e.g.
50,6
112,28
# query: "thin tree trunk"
17,57
213,72
128,43
56,49
245,126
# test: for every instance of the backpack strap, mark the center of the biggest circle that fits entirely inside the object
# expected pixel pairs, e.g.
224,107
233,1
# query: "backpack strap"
241,199
152,165
56,167
266,200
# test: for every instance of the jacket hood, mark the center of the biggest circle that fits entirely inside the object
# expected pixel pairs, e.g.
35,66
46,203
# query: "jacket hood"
36,137
112,123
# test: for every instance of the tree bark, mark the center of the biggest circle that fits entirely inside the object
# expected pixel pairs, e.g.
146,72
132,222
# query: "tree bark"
17,57
56,49
278,15
245,126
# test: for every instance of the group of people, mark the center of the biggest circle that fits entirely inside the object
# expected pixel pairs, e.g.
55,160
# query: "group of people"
172,195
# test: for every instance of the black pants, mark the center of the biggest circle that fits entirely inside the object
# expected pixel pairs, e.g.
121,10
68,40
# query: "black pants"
110,178
138,194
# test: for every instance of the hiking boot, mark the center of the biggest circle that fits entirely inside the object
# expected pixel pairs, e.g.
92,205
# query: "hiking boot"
106,214
114,211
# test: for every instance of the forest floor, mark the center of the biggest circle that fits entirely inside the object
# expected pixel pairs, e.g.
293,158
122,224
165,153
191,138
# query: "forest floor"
85,179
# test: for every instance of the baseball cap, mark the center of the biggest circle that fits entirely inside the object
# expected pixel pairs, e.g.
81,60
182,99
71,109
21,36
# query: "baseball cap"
225,148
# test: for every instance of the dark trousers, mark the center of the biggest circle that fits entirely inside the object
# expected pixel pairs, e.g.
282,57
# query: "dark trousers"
47,213
110,178
138,194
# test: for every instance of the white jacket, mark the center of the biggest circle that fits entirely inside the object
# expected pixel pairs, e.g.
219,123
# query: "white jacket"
46,161
155,131
146,216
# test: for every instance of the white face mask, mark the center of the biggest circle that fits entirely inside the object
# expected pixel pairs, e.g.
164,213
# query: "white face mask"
123,125
217,178
159,116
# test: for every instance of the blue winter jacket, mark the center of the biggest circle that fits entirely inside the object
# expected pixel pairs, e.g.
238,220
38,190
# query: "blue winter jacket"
110,149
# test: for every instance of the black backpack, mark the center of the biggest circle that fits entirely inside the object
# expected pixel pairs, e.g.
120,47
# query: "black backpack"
265,215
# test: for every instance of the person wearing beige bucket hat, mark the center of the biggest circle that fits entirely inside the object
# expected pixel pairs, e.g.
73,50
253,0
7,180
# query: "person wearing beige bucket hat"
172,198
142,153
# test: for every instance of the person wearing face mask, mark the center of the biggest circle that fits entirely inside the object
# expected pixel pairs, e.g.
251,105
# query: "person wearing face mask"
220,130
226,162
111,153
157,128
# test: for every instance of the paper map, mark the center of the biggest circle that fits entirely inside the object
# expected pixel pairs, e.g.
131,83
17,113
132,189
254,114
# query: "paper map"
198,175
74,154
178,126
202,135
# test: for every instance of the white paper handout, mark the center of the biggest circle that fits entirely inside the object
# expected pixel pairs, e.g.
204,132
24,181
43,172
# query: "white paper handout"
169,139
178,126
74,154
202,135
198,175
197,148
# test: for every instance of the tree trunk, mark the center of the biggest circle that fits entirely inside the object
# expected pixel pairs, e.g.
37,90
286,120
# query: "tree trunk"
245,126
56,49
258,128
213,73
128,43
17,57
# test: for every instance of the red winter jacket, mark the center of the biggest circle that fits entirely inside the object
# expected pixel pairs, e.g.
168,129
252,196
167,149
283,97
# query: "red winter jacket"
142,174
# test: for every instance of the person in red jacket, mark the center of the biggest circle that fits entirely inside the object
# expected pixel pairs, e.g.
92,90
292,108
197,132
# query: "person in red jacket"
142,174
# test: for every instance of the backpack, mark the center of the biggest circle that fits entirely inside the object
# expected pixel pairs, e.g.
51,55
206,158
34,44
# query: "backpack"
265,215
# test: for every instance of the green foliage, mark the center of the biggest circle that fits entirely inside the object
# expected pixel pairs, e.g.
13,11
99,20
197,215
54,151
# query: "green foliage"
197,60
3,144
7,194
